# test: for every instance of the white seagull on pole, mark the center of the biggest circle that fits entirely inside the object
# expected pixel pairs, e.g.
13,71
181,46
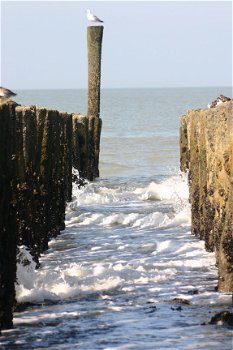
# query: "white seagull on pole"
91,17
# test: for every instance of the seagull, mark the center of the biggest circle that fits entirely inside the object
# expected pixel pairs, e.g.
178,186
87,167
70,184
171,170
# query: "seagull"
91,17
219,100
5,94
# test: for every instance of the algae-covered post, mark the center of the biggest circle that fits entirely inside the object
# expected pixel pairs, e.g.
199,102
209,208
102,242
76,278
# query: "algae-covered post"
7,213
87,129
94,46
206,144
39,147
35,184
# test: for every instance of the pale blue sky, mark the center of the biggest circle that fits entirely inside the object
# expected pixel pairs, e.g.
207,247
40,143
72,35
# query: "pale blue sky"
145,43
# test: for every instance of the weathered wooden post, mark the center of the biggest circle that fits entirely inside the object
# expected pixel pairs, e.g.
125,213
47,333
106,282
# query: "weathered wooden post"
206,145
38,149
94,47
80,144
7,213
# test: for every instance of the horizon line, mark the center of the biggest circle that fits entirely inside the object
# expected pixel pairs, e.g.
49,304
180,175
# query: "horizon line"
126,88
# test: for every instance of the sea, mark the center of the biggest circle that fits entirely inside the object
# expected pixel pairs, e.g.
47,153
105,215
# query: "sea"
126,273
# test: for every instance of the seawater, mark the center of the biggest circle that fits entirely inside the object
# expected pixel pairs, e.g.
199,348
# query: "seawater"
110,279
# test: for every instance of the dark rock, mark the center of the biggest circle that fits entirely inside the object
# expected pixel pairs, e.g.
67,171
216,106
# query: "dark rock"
23,306
181,301
179,308
81,182
193,292
151,309
223,317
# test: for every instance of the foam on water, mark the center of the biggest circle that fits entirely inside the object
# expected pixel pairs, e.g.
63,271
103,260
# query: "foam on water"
171,189
123,258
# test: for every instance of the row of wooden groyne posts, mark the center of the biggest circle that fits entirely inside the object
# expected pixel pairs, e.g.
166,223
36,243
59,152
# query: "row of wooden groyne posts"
39,147
206,149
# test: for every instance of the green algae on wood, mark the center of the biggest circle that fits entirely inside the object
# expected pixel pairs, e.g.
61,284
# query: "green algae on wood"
206,144
94,46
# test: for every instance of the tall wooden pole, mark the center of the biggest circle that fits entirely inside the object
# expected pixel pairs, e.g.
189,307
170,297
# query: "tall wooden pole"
94,46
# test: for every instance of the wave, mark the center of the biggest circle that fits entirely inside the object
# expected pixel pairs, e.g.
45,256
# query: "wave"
160,264
128,239
125,203
173,189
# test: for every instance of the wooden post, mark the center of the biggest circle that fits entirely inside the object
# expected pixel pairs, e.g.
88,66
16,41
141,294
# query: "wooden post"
67,139
80,145
38,148
94,130
94,45
7,214
207,152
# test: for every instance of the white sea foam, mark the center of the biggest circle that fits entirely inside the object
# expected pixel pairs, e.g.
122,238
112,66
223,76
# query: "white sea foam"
171,189
155,219
73,279
156,263
25,269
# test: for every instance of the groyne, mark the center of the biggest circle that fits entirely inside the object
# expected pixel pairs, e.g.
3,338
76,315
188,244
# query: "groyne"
39,148
206,149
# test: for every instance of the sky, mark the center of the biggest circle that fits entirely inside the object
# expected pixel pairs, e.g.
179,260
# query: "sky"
145,43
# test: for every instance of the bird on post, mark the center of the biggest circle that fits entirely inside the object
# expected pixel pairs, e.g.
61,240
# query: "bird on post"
219,100
92,18
5,94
